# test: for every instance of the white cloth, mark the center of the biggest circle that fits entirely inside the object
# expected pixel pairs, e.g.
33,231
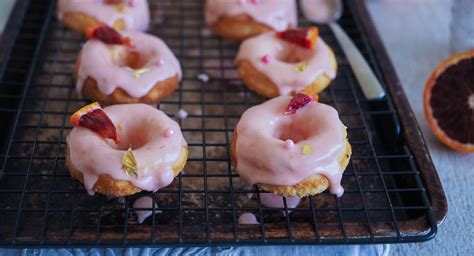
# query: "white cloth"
342,250
416,35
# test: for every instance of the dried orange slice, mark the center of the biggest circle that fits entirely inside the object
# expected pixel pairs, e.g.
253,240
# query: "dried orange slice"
448,101
93,117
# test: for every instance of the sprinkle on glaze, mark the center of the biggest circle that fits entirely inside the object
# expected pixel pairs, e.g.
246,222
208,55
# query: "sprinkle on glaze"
266,58
136,16
248,218
98,62
260,148
144,202
289,143
277,14
169,132
140,126
282,69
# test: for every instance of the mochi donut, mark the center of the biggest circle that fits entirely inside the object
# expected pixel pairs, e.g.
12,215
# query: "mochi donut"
159,149
146,72
296,154
240,19
119,14
272,66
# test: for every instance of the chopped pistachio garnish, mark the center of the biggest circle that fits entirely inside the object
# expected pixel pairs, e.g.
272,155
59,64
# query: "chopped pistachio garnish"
129,164
138,72
301,67
307,150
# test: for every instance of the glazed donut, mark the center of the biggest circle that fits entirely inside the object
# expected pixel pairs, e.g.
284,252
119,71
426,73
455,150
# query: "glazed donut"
112,74
157,143
119,14
271,66
240,19
299,154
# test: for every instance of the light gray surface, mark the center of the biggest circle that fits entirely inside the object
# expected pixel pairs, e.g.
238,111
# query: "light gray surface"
5,7
417,36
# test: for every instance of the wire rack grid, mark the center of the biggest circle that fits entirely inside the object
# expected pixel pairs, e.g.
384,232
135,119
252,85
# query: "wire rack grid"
41,205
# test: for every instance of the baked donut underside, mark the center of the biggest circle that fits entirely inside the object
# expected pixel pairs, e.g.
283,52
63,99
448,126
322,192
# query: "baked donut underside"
109,186
264,86
79,21
157,93
312,185
160,90
238,27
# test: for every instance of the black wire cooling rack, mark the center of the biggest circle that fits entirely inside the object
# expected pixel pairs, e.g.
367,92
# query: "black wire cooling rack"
388,190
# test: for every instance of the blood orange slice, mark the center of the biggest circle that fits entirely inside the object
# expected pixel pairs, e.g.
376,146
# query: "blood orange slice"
107,35
300,100
448,101
93,117
304,37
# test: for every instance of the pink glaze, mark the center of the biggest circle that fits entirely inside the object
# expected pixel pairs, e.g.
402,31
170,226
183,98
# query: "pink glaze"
276,201
104,63
277,14
139,126
135,15
285,57
262,156
248,218
144,202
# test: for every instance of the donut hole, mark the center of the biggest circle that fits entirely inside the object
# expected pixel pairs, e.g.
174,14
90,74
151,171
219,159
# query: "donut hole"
291,54
134,136
292,129
132,59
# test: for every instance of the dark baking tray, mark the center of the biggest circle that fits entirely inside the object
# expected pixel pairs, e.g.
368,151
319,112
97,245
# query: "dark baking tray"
393,193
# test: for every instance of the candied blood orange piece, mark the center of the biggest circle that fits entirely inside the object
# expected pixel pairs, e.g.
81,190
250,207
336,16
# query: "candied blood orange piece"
448,101
112,1
304,37
93,117
130,3
300,100
107,35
